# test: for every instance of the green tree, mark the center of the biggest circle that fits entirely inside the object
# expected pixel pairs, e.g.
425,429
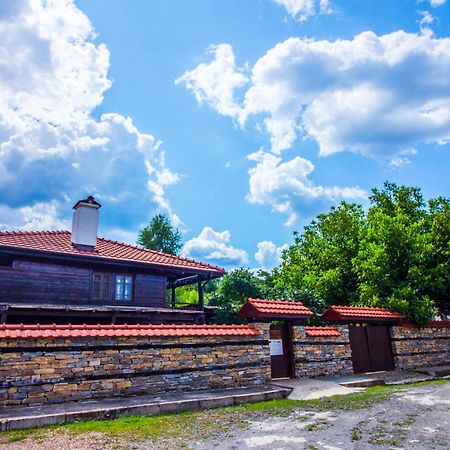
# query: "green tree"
394,263
232,291
187,295
319,262
271,288
439,261
397,256
161,236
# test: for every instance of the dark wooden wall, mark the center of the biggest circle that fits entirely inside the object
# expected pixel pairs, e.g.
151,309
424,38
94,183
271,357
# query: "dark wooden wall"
150,290
45,283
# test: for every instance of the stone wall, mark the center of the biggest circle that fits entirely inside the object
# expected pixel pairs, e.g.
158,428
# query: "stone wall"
316,356
414,347
35,371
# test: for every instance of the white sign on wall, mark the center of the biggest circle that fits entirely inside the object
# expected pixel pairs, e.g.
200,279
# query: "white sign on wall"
276,347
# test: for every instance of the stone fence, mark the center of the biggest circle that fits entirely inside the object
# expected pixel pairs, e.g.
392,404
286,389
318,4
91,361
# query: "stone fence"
54,364
81,362
420,347
322,351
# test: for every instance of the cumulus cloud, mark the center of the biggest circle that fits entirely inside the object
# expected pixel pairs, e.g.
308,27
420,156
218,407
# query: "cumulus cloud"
285,186
40,216
302,10
215,247
268,254
373,95
52,150
215,83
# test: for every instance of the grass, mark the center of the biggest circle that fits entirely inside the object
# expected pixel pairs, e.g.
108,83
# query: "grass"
317,426
356,434
189,425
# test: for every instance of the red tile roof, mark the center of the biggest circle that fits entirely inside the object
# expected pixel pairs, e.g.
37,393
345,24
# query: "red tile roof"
59,242
74,331
273,309
360,313
321,331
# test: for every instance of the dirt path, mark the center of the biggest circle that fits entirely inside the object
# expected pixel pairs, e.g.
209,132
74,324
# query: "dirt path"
418,418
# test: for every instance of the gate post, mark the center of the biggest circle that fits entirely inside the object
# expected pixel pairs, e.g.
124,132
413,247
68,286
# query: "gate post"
263,328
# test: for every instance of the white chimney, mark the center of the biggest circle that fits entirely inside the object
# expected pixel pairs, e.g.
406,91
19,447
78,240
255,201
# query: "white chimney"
85,223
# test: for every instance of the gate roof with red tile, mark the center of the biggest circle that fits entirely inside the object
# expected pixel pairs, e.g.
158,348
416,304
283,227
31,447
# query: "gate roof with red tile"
338,313
77,331
59,243
322,332
257,308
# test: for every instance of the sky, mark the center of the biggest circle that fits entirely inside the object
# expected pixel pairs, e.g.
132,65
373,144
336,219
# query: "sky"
240,120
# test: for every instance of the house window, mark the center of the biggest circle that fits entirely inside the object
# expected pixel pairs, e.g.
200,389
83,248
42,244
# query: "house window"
124,288
101,283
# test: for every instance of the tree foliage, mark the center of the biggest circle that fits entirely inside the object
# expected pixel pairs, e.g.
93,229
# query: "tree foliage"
394,254
232,291
320,260
397,255
161,236
236,287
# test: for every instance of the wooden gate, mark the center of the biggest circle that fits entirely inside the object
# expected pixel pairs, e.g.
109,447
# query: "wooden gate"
281,354
371,348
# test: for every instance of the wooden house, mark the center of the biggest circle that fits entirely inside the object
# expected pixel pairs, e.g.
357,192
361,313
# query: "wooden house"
77,277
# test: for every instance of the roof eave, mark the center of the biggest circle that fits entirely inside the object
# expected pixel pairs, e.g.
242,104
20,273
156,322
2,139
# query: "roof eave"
19,251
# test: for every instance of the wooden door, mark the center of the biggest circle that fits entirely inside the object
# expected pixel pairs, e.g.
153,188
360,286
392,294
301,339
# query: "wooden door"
360,349
371,348
380,348
281,358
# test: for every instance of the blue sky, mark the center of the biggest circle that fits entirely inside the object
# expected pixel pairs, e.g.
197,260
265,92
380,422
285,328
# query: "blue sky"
241,119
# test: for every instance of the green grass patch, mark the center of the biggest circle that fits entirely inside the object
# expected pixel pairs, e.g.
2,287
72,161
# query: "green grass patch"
356,434
17,436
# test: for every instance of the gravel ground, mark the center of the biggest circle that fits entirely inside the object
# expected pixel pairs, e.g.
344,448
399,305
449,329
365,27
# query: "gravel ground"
416,418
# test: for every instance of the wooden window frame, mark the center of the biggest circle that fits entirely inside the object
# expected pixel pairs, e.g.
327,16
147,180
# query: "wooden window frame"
114,293
100,297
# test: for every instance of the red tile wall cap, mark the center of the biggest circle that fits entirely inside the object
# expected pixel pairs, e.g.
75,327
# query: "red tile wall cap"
430,324
279,307
75,331
337,312
60,242
322,331
438,324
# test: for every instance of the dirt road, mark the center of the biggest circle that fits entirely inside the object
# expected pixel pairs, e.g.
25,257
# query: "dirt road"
418,418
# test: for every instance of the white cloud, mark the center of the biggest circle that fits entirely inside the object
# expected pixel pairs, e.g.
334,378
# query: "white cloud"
302,10
436,3
52,151
215,83
215,247
374,95
401,159
425,22
40,216
268,254
285,186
